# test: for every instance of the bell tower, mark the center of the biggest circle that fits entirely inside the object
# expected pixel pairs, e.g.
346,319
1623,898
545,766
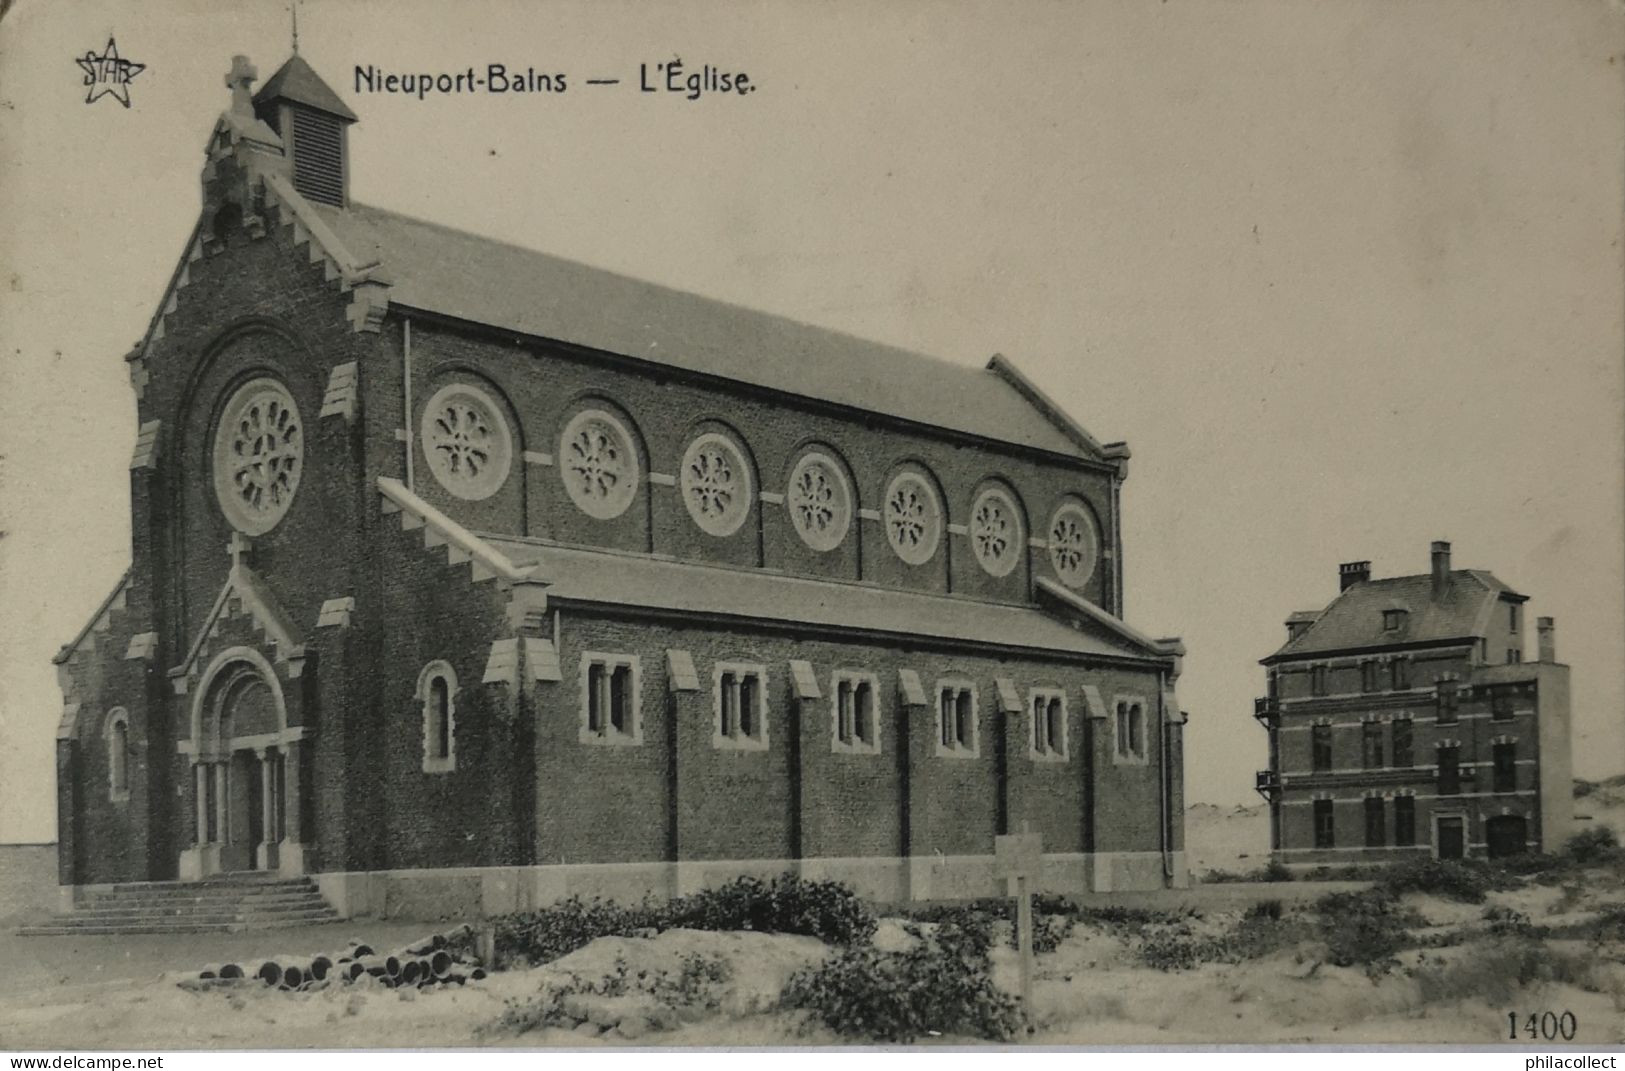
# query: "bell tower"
314,126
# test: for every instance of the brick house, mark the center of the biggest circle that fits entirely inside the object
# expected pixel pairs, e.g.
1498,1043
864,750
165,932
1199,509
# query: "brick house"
1403,721
465,577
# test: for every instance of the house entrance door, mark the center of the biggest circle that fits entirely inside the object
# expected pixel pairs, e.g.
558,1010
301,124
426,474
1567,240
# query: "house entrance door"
1450,837
1506,834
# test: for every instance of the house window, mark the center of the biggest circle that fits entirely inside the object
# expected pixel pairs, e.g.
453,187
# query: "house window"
1369,681
855,712
956,719
610,700
1501,705
1514,656
1320,743
740,707
1317,680
437,694
1047,738
1514,616
1399,674
1449,770
1129,731
1392,620
1371,745
1404,755
1445,703
1325,830
1404,821
1375,835
117,733
1504,757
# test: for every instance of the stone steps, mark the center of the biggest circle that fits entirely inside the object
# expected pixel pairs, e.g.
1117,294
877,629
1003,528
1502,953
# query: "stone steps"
219,905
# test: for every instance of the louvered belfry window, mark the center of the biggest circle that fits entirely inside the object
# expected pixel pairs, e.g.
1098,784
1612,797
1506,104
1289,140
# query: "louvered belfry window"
318,156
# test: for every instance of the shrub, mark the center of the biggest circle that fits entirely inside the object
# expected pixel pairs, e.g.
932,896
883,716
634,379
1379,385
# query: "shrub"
1451,878
548,933
1128,921
828,910
1497,972
1273,871
1507,922
1053,919
936,986
1600,844
697,985
1364,928
1266,909
1610,924
824,909
1253,936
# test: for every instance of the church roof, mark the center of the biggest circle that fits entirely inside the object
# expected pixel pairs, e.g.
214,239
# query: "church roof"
441,270
297,82
1354,620
609,578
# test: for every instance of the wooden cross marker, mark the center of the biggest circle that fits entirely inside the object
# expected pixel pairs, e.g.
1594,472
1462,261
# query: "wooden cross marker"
239,548
1021,856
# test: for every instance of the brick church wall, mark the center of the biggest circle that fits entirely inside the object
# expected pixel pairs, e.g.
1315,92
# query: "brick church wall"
544,385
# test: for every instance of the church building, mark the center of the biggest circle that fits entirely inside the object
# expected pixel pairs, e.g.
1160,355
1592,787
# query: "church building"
465,578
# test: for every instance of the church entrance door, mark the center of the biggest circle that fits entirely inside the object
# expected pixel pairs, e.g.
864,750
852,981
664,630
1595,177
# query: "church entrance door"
245,817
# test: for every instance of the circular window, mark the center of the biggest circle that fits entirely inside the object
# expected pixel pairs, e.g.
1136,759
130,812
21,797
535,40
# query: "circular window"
259,449
716,484
819,502
913,518
1073,545
995,532
466,441
598,464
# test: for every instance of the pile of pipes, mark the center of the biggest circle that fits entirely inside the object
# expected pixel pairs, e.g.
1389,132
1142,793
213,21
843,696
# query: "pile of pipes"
438,959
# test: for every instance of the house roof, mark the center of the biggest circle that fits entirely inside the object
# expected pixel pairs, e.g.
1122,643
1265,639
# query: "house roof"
1354,620
609,578
297,82
450,272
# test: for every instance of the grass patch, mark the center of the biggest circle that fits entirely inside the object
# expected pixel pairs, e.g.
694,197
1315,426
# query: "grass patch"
1497,972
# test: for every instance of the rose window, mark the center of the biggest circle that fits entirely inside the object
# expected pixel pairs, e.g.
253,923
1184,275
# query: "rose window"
820,504
599,464
259,450
1073,545
995,532
716,484
466,441
913,518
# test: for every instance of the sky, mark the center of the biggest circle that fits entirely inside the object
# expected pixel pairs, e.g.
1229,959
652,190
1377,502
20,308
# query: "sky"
1346,277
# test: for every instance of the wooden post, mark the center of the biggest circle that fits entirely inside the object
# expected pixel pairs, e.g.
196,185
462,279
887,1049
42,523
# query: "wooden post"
1020,856
1024,939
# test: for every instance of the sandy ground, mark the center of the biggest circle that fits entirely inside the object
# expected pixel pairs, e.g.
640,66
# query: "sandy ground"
101,992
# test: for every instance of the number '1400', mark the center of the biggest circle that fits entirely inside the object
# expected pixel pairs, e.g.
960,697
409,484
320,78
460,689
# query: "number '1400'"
1544,1026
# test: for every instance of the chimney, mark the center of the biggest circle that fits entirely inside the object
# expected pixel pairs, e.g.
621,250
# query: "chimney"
1548,639
1441,565
1352,573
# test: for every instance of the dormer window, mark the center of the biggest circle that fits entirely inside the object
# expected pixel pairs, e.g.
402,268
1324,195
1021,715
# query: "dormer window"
1393,620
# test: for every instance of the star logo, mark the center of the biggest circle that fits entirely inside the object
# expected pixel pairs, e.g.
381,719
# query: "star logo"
108,75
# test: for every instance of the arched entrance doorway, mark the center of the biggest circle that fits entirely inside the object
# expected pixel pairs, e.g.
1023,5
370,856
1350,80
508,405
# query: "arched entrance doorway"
245,762
1506,834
